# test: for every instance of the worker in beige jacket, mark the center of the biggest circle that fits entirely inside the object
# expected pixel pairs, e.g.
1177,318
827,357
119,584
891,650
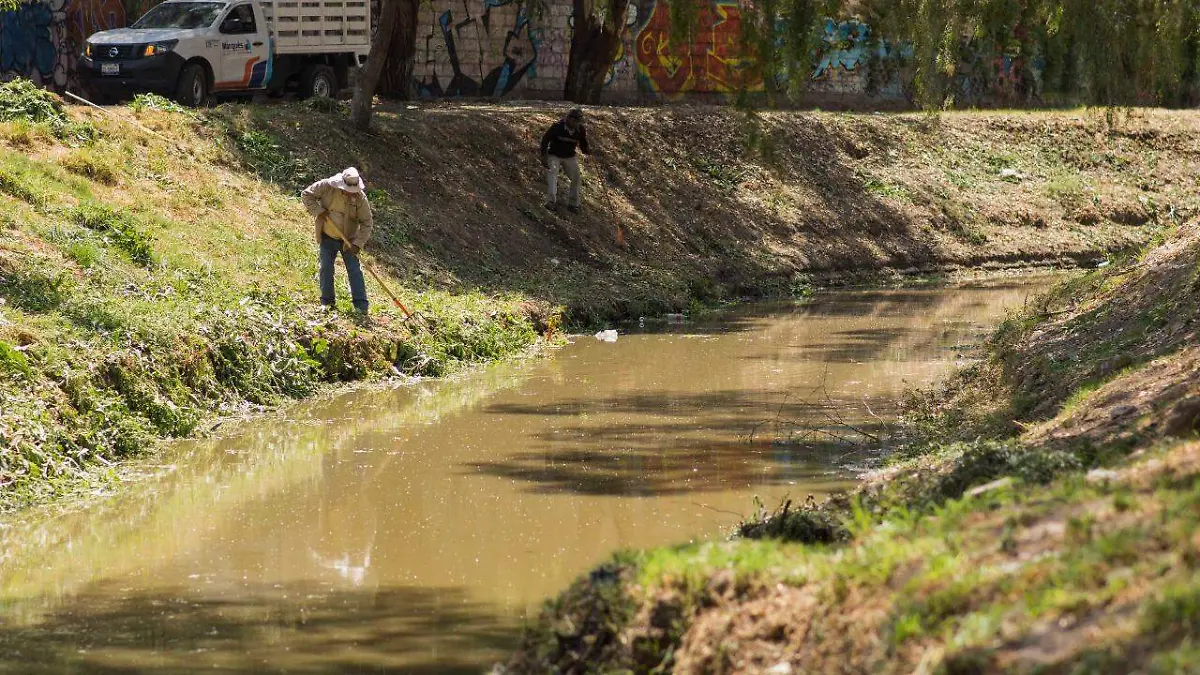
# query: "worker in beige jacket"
344,221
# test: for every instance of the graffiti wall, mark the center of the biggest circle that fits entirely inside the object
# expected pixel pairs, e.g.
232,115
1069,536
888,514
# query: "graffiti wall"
474,47
711,64
519,49
41,40
502,48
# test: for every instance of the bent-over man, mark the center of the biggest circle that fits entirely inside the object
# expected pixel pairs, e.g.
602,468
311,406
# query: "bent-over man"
343,224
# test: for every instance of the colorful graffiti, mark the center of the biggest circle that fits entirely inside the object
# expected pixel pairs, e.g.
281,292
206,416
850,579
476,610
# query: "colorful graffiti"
845,45
490,47
468,53
712,63
850,61
41,40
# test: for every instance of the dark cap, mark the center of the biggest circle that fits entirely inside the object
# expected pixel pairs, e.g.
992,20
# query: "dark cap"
575,114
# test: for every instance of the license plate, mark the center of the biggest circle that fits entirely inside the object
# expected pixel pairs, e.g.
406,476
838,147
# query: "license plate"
110,69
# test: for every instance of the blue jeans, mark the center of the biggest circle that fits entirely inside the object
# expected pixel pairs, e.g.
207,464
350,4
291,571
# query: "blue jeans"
330,248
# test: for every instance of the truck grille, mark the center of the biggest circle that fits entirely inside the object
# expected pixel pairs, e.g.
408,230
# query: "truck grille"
114,52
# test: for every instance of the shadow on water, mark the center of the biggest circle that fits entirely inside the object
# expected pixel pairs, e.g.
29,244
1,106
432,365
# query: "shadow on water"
299,628
691,443
690,468
717,408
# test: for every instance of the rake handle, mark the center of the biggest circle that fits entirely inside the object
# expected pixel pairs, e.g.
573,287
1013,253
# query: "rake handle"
407,313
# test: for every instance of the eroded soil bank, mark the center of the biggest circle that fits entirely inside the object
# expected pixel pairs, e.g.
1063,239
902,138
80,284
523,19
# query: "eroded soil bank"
684,203
1043,518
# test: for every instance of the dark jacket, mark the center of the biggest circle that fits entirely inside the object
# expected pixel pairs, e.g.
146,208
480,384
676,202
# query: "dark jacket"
561,141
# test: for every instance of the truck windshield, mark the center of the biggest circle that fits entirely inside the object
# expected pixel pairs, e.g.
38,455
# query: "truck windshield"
183,15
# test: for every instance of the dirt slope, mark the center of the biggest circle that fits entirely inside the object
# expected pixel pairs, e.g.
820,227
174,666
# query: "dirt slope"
686,202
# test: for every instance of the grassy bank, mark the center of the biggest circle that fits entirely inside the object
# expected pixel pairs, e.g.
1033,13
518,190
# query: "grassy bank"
151,280
1043,519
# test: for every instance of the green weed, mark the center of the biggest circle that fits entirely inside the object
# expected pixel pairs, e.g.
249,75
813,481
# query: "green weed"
142,102
22,185
13,361
90,162
326,105
886,189
84,253
1077,400
802,525
1175,611
1183,660
22,100
264,154
800,286
23,133
34,286
123,228
726,176
1068,189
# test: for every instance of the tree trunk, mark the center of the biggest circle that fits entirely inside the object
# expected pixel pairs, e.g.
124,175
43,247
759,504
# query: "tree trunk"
397,80
368,75
594,45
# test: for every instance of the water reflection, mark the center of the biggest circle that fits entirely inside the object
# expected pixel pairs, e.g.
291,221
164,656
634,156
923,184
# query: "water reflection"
407,530
295,628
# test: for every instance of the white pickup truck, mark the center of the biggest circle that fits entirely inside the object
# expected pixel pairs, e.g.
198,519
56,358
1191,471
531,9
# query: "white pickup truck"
190,50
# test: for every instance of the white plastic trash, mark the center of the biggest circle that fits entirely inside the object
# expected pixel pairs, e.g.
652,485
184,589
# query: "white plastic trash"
607,336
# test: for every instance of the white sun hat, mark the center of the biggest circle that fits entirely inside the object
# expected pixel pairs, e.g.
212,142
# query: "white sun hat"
349,181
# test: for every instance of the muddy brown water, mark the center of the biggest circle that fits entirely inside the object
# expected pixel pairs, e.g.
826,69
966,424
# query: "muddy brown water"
409,530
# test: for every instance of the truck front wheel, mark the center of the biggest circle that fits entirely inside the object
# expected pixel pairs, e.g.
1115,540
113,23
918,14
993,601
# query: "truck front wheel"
318,82
193,86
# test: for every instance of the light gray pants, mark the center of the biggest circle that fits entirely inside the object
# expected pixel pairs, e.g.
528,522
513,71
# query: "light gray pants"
571,166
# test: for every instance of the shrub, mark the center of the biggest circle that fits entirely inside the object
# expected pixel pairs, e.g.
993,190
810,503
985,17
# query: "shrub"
807,525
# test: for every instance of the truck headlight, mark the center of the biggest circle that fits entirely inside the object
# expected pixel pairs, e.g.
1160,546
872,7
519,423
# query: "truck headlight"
87,50
159,48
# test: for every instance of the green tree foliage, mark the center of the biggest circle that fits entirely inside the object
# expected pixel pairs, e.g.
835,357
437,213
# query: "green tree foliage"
1109,52
1105,52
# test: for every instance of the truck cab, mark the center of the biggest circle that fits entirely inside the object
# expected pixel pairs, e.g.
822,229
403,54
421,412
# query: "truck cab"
190,50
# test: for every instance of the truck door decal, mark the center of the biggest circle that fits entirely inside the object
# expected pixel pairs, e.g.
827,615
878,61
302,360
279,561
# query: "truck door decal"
254,76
